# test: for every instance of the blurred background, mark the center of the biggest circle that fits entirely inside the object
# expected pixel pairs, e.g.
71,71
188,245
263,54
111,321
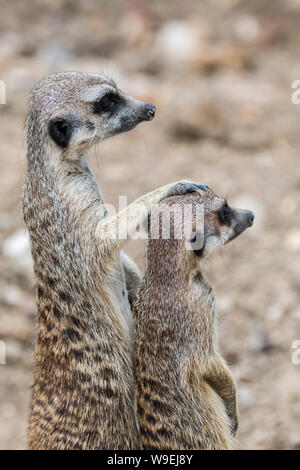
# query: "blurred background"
220,74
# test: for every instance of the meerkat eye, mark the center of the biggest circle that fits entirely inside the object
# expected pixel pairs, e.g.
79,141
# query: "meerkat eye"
225,214
108,103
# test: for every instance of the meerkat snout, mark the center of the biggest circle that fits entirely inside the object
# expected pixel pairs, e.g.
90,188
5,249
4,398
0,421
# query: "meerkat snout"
237,220
250,217
137,112
150,110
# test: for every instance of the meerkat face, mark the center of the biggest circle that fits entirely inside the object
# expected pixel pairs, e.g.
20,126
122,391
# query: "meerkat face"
80,109
220,224
185,230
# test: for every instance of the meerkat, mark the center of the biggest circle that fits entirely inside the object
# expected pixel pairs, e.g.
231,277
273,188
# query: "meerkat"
186,394
83,394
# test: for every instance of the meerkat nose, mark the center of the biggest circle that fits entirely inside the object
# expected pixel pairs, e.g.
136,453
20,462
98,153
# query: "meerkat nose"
250,218
150,110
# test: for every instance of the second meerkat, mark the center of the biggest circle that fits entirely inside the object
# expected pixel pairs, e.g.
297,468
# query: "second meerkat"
186,395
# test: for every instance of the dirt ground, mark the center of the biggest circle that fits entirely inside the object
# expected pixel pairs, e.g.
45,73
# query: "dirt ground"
220,73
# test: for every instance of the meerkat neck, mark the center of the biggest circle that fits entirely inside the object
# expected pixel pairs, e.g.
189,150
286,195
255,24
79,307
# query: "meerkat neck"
164,263
62,205
63,195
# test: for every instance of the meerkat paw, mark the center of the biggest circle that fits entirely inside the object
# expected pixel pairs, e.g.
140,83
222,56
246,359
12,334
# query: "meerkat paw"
184,187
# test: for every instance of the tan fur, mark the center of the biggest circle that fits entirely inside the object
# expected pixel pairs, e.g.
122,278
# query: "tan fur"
186,394
83,394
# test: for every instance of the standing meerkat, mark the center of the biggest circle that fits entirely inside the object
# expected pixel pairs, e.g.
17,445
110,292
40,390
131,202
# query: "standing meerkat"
186,395
83,393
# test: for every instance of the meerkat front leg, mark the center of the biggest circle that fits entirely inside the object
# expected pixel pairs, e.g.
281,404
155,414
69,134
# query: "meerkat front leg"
118,227
132,276
222,382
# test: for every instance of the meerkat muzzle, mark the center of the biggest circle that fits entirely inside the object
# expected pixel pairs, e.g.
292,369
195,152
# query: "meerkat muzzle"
250,218
150,110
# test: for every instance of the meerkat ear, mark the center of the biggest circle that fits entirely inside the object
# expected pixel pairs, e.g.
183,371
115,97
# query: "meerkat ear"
60,130
196,242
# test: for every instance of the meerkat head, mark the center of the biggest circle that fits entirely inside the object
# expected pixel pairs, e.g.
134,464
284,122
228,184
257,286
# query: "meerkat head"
75,110
216,224
184,230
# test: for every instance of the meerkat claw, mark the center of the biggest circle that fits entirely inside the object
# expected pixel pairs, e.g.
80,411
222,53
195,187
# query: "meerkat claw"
205,188
184,187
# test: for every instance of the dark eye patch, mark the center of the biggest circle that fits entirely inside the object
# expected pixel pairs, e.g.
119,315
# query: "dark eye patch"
225,214
109,103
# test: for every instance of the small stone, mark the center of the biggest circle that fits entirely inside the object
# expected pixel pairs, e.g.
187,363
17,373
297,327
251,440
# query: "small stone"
8,410
14,351
17,244
275,312
15,325
295,313
247,28
292,241
245,398
177,41
288,205
17,247
224,303
5,220
54,55
258,340
11,295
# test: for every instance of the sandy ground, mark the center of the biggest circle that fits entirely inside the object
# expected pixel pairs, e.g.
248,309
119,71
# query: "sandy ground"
220,73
